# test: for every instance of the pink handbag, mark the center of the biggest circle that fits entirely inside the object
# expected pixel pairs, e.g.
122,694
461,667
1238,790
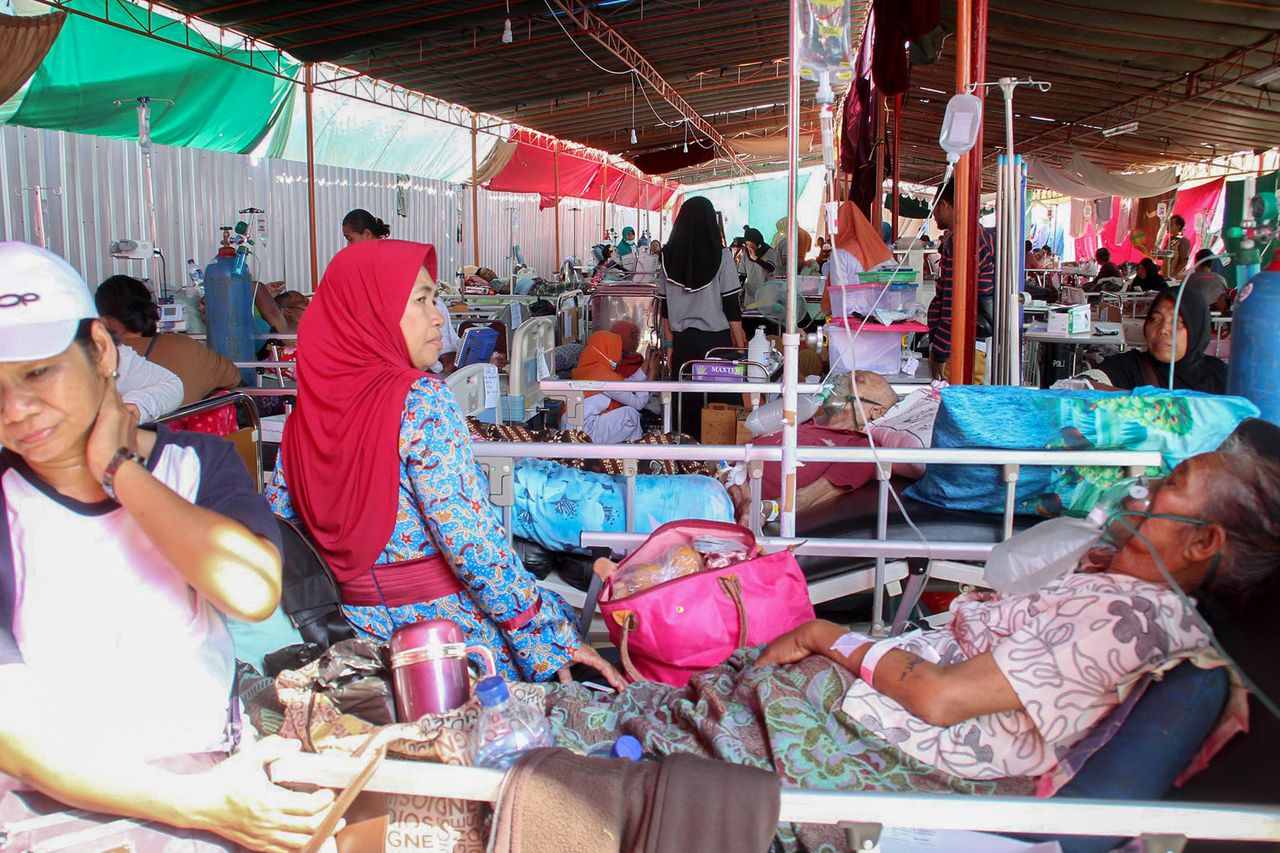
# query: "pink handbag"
670,631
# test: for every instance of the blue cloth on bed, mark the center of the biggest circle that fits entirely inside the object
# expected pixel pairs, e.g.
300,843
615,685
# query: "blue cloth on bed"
1179,424
555,504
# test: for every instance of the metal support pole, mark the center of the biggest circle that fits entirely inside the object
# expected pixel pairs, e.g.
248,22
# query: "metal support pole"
961,359
791,339
897,158
475,193
309,91
977,72
555,170
604,201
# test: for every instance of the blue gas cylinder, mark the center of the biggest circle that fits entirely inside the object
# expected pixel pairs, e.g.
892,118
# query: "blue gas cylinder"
228,298
1255,358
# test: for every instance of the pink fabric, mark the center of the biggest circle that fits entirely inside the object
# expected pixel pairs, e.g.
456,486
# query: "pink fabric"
1202,200
690,624
1121,250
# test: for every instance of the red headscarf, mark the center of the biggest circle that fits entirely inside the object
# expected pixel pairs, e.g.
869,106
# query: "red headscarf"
340,444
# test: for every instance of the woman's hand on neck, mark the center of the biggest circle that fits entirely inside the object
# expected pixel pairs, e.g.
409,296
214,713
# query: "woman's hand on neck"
78,474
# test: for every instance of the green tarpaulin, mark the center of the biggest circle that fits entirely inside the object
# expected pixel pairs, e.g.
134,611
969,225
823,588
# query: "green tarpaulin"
1234,209
217,104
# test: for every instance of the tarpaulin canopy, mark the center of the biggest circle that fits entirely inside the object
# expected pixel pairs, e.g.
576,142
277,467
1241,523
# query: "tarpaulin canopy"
217,105
359,135
1082,179
534,167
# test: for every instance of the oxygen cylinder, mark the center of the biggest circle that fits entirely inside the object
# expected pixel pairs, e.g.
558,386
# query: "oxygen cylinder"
1255,361
228,299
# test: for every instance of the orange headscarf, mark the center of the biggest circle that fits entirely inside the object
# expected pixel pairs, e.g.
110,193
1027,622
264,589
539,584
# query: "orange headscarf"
860,238
598,362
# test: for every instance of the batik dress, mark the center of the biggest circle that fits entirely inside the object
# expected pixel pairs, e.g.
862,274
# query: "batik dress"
444,508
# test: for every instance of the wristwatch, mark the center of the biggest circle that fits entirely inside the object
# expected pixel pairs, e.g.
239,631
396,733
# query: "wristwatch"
122,456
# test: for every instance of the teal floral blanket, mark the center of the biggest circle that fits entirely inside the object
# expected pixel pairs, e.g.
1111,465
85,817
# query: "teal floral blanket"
785,719
1178,424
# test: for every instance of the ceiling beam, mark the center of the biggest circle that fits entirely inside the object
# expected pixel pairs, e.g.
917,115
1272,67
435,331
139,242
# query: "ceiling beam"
612,41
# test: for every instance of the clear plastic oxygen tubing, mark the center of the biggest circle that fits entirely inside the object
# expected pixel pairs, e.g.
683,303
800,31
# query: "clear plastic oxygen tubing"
1177,308
1265,700
877,619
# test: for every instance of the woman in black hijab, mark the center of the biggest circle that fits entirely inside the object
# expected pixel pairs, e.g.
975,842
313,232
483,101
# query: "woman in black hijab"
1148,277
1192,369
699,292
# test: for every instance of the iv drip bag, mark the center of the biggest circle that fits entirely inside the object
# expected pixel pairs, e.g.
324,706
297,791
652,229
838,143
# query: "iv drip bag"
960,126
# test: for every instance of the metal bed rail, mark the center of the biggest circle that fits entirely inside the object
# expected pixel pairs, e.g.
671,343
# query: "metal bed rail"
1162,826
499,460
244,403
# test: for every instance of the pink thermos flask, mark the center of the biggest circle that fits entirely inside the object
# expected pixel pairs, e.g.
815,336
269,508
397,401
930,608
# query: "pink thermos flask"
429,668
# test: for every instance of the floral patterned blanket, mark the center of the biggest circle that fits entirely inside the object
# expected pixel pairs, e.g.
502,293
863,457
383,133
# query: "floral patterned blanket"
782,718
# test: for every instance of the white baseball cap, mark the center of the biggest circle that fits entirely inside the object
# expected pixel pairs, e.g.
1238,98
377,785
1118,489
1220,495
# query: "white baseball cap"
42,301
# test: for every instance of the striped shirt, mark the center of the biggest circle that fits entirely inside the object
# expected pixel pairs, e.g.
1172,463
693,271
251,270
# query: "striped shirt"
940,307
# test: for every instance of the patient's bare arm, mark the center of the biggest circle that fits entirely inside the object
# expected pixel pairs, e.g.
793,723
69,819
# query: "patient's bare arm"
939,695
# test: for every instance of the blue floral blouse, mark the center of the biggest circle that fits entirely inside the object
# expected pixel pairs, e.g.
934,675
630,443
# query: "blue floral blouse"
444,508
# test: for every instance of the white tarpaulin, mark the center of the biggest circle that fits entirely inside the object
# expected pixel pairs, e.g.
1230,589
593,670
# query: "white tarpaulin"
1083,179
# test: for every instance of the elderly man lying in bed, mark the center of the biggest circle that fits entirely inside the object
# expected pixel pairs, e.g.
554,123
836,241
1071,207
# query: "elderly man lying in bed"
992,702
861,408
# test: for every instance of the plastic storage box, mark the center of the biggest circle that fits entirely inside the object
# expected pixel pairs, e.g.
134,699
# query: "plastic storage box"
869,346
862,299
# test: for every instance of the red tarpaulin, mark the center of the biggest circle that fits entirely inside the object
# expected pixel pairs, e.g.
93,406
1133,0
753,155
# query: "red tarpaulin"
533,170
1201,201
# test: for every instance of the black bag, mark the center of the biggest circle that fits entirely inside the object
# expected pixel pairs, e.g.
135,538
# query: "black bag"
309,593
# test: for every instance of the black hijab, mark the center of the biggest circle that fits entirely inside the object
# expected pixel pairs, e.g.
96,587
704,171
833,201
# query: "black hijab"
1195,371
692,255
1153,280
754,235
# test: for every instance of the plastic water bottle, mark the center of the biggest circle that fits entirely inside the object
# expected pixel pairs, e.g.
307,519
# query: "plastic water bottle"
767,419
625,747
506,728
758,354
195,273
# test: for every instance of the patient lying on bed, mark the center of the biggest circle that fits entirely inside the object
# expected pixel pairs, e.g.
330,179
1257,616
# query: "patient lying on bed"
993,700
861,404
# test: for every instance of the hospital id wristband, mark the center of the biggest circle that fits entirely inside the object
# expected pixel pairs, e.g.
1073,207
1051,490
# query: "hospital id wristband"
872,658
849,642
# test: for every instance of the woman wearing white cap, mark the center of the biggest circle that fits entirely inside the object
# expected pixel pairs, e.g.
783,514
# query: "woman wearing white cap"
121,553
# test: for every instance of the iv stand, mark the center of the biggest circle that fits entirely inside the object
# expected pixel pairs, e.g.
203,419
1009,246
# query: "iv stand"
1006,367
38,191
144,145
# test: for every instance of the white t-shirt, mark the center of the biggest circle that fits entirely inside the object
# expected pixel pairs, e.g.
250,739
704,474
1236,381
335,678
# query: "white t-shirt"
87,600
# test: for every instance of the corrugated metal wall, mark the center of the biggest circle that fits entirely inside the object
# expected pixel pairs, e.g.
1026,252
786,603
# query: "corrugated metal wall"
93,194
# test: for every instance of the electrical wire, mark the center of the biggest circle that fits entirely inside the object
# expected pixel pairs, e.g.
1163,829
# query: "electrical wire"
574,42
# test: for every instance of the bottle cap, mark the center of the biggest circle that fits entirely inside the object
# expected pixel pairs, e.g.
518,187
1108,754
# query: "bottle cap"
492,691
627,747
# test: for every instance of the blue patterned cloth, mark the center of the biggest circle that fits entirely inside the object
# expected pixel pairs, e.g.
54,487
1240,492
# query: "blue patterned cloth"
554,504
444,508
1179,424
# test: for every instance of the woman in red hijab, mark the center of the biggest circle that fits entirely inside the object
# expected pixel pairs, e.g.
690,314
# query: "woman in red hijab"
377,465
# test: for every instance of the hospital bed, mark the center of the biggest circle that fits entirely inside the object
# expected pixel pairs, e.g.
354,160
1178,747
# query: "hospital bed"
1161,826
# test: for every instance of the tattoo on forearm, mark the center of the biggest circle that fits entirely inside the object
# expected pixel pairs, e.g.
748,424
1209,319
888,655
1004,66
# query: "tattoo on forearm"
911,664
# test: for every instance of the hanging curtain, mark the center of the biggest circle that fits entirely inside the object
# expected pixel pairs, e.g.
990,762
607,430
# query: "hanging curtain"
1083,179
24,42
858,136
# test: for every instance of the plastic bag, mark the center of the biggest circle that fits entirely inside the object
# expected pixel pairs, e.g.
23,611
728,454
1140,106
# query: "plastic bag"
1035,557
678,562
